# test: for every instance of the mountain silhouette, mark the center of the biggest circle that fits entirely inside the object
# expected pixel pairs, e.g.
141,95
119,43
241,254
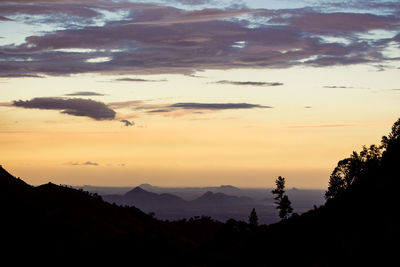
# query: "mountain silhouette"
72,224
220,199
146,200
7,181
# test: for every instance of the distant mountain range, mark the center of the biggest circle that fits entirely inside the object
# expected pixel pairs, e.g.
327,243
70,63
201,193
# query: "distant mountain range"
220,202
143,198
172,207
191,193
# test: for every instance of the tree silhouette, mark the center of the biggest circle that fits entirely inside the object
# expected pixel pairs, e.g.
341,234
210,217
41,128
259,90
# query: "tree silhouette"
281,199
253,218
393,135
285,207
349,170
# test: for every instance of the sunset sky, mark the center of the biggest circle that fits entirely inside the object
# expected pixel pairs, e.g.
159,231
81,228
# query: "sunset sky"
194,92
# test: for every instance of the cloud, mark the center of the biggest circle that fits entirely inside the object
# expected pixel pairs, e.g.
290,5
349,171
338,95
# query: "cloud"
20,75
84,93
154,39
127,123
79,9
177,109
216,106
249,83
137,80
194,2
340,22
72,106
336,86
91,163
196,16
191,108
87,163
160,110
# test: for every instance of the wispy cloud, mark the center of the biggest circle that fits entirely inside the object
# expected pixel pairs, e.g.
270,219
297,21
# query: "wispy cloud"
20,75
197,16
162,110
72,106
137,80
179,109
249,83
87,163
192,108
84,93
337,86
216,106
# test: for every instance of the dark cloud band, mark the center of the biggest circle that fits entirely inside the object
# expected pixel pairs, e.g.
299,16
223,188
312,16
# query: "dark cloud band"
249,83
84,93
72,106
137,80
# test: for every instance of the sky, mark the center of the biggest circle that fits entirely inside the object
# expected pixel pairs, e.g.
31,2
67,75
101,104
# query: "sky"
194,92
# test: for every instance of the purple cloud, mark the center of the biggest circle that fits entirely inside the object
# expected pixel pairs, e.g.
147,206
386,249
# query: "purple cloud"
216,106
84,93
249,83
72,106
340,22
87,163
136,80
160,39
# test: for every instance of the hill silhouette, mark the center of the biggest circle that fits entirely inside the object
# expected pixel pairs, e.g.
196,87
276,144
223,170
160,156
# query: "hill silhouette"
146,200
220,199
357,226
72,224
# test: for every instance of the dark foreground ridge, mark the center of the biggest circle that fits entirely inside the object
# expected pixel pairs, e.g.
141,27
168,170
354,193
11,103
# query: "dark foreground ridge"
359,224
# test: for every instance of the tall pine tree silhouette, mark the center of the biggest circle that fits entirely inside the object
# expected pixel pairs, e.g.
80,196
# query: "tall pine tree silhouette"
281,199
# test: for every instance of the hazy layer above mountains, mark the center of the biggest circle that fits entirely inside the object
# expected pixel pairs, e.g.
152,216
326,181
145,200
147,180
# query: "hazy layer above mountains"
221,203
